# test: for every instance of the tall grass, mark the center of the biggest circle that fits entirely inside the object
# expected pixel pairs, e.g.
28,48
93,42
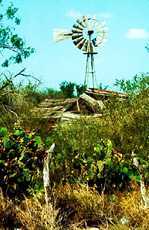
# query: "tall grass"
30,214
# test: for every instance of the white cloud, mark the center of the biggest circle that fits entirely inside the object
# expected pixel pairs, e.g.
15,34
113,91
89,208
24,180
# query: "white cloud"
74,14
137,33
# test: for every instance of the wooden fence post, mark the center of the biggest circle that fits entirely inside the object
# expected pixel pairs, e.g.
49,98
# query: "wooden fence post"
46,179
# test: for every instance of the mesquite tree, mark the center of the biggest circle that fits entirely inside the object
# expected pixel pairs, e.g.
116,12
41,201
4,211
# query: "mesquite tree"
12,47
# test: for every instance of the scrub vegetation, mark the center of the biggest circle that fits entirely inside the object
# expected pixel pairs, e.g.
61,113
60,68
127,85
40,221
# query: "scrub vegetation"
99,167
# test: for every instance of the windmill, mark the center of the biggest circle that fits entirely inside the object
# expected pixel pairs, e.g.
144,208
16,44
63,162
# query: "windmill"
87,34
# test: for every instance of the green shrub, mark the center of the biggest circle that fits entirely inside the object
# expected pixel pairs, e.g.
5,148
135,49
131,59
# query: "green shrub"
53,93
83,155
67,89
21,160
80,89
14,105
126,123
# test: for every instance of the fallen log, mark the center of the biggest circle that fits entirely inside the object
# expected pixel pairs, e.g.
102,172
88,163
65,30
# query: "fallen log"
69,116
96,106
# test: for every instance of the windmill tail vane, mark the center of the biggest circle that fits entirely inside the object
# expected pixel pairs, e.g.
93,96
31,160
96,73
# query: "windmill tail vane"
61,34
87,34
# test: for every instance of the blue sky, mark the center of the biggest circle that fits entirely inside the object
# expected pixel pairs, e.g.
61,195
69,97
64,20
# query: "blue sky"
122,56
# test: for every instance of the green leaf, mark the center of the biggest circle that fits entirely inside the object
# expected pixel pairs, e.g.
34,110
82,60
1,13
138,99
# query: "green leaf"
17,21
98,148
108,161
3,132
89,160
7,143
109,146
2,162
13,175
59,158
125,170
100,165
11,11
18,132
135,178
38,140
90,173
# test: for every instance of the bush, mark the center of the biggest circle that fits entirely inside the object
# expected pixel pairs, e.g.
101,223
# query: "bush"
18,101
15,105
126,123
21,162
84,155
52,93
67,89
80,89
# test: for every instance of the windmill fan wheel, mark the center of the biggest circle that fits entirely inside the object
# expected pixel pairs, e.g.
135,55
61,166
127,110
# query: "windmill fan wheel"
87,34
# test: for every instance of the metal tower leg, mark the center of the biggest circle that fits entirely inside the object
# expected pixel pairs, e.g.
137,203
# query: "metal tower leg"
94,83
90,71
87,69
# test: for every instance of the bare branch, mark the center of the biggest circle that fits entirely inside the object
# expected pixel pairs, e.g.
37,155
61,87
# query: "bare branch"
21,73
4,46
46,179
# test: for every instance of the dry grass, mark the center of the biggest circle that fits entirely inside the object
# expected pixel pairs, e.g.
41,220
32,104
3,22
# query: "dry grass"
77,207
85,207
133,210
30,214
8,216
35,215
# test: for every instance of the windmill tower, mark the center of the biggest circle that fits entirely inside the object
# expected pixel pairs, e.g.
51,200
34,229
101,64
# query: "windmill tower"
87,34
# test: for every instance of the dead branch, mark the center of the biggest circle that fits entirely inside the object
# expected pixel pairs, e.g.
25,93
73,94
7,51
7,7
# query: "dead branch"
46,179
143,190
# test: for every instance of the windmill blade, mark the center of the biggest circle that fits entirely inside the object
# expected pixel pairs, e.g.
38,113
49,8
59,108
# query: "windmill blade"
85,21
92,50
61,34
77,26
100,40
76,35
84,47
89,24
80,43
94,42
81,24
98,28
76,30
90,47
93,23
101,27
77,40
